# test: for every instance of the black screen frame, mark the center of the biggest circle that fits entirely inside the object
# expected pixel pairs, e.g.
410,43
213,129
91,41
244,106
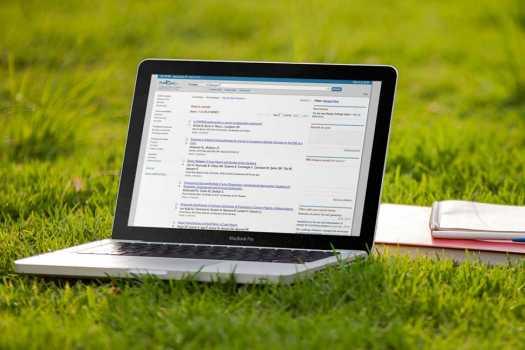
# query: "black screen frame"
386,74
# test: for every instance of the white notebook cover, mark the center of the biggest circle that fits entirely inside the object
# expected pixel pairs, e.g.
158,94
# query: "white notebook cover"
463,219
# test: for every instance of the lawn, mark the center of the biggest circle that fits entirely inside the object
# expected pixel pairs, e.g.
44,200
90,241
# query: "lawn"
67,72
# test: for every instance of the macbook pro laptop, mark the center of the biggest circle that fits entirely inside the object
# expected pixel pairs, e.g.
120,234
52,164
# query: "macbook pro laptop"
256,171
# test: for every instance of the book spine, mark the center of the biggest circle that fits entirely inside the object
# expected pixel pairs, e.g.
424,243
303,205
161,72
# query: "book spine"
434,217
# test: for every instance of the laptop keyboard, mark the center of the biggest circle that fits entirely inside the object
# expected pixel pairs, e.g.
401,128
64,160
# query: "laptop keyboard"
188,251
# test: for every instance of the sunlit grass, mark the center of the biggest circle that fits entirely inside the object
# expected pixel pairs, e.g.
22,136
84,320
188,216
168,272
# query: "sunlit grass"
67,73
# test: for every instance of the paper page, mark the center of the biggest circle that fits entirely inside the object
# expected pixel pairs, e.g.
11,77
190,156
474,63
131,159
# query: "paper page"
464,215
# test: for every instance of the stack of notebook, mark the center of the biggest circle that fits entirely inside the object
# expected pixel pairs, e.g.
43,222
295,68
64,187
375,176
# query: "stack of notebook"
454,229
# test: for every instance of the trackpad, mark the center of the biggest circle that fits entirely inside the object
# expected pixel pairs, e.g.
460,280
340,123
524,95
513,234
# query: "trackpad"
162,266
170,267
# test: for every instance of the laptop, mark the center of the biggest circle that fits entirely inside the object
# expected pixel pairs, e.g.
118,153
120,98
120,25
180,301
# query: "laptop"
260,172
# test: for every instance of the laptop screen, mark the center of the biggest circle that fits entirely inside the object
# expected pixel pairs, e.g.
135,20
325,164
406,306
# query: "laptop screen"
255,154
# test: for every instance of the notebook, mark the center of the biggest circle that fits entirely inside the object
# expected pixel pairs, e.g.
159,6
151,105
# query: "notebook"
406,229
471,220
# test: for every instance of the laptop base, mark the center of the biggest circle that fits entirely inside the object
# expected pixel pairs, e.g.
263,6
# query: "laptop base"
70,263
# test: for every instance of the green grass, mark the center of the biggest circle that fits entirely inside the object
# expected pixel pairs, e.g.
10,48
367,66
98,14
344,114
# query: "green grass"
67,71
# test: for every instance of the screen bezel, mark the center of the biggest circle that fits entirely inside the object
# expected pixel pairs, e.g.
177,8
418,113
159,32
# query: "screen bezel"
386,74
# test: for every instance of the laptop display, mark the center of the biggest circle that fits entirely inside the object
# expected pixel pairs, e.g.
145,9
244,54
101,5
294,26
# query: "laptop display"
255,154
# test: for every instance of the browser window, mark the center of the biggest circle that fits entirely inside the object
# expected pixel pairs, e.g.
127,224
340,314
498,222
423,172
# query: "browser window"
255,154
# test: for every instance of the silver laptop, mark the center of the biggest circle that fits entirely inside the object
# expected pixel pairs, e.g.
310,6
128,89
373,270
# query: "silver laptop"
261,172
